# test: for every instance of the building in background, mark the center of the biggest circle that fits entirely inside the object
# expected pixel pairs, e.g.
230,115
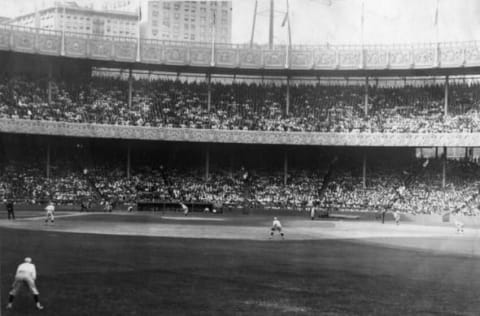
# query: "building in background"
71,17
121,5
196,21
4,20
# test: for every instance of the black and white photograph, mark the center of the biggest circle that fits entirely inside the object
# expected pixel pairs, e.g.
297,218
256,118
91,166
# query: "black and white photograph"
239,157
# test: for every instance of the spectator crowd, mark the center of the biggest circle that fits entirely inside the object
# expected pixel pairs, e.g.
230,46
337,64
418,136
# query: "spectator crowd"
423,192
242,106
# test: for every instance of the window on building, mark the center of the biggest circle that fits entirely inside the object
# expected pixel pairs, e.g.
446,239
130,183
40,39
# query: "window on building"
155,13
176,6
177,15
192,37
185,36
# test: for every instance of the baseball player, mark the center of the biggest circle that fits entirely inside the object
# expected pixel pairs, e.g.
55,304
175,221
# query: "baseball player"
184,209
396,215
459,226
26,274
9,206
50,209
276,226
312,212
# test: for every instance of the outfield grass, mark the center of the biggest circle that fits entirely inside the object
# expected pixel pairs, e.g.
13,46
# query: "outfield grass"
81,274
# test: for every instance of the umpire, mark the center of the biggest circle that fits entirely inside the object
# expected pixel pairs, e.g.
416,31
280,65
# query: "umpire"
9,206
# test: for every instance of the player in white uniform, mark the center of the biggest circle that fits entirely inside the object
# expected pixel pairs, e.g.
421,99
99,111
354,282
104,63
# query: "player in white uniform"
50,209
26,274
184,208
276,226
396,215
459,226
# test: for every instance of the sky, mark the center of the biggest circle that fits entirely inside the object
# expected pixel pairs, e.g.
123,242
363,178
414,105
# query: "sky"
339,21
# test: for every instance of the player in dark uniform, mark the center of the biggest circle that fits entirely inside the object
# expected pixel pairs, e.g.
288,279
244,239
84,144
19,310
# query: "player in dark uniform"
10,211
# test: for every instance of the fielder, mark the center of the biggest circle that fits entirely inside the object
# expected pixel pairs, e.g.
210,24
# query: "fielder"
50,209
312,210
459,226
276,226
26,274
184,208
396,215
9,206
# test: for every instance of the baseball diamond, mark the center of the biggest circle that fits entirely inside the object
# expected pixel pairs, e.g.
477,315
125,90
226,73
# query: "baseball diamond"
160,157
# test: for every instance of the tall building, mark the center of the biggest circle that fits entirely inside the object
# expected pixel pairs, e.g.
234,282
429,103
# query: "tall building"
4,20
196,21
73,18
121,5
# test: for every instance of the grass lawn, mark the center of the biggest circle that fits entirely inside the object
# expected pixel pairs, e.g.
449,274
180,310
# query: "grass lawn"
81,274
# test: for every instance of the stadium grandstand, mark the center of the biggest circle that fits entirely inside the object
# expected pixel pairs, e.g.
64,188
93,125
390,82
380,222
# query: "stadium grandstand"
156,122
152,176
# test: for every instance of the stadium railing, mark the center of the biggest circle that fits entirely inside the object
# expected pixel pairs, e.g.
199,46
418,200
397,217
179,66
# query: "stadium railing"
351,57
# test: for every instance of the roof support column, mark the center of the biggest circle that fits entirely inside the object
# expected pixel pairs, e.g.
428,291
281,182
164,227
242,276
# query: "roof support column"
207,162
365,105
130,88
364,170
209,91
49,88
445,110
48,159
287,98
444,167
129,159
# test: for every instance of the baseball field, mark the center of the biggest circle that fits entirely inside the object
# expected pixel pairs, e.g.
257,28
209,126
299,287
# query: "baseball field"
225,264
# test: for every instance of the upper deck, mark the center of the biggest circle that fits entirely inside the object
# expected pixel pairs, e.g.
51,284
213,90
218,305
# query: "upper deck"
378,60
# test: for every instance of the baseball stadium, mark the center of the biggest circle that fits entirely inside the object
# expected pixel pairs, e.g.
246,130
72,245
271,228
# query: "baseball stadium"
161,166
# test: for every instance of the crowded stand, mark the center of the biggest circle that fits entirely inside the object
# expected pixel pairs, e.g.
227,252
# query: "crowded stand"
244,106
422,193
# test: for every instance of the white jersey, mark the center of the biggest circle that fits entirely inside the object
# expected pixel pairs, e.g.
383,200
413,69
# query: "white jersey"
50,208
27,269
276,224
